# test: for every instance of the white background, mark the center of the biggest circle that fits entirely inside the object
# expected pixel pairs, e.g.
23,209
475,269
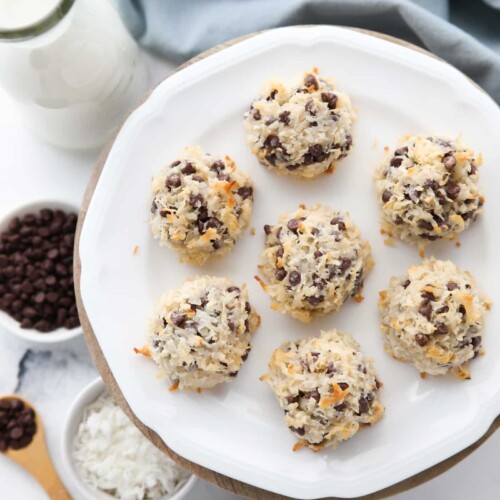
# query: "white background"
29,170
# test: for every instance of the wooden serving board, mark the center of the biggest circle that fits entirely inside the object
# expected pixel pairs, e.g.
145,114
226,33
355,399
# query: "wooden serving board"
220,480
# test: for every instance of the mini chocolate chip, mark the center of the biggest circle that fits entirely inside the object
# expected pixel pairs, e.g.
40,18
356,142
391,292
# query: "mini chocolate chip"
298,430
401,151
26,323
271,159
462,310
396,161
245,192
232,289
292,399
173,181
294,278
53,253
284,117
309,107
406,283
427,295
424,224
267,229
432,184
272,141
363,406
316,150
449,162
441,328
345,264
425,309
386,196
330,369
218,167
476,342
223,177
16,432
310,81
337,221
272,95
442,310
317,254
313,395
196,199
213,222
330,98
343,385
256,115
308,159
29,312
451,285
280,274
188,169
421,339
293,225
452,190
178,318
314,301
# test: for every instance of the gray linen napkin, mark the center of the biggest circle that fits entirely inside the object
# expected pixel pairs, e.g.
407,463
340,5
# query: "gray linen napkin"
181,29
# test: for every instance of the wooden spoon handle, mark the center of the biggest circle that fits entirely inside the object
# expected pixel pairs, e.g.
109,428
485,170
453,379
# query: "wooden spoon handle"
47,476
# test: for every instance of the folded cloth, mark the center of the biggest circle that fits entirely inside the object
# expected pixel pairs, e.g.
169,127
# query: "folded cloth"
181,29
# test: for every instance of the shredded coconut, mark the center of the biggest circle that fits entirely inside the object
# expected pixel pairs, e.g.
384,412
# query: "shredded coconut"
112,455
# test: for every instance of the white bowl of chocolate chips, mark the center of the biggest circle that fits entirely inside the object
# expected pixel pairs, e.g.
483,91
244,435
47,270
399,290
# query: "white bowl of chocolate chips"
37,298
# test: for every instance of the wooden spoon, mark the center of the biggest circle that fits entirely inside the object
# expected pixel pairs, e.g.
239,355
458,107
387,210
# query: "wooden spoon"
36,460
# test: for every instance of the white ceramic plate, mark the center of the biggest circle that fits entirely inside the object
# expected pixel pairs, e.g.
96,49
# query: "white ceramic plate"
238,429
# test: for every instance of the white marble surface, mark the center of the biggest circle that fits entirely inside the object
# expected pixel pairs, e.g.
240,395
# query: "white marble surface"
51,378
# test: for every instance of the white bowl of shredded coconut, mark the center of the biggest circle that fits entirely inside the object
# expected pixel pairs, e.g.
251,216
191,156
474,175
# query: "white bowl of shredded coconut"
105,456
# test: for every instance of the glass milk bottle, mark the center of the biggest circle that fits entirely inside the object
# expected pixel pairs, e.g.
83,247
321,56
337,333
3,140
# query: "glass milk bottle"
71,66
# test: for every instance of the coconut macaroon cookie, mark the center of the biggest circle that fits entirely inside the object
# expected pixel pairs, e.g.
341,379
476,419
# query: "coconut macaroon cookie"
200,205
326,387
300,130
200,333
433,317
314,260
429,189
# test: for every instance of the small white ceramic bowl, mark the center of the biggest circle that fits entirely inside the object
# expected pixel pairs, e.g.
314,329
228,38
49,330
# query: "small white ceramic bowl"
78,488
6,321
